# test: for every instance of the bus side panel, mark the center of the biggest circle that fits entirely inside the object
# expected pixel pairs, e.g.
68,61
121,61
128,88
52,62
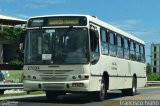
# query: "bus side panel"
121,72
140,71
107,64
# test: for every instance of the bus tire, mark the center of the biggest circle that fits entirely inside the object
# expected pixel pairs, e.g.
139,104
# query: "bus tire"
100,95
131,91
2,92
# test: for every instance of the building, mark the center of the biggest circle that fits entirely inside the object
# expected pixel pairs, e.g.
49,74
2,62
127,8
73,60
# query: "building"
6,45
155,57
5,20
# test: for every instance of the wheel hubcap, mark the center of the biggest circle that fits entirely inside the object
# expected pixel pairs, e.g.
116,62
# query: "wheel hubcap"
134,89
102,89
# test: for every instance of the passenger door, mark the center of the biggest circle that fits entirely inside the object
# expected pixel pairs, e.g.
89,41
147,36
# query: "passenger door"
95,67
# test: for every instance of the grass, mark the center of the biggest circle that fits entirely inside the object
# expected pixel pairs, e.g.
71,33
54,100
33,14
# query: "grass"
14,76
22,94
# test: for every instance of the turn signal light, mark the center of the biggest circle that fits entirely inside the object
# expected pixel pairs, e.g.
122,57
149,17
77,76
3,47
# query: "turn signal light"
86,76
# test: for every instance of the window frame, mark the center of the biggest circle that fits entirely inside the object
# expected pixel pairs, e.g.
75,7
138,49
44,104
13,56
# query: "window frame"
104,42
112,44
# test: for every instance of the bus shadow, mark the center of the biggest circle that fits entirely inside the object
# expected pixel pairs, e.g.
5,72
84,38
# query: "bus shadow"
69,99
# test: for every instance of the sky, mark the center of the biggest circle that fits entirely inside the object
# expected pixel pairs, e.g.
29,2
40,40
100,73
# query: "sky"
137,17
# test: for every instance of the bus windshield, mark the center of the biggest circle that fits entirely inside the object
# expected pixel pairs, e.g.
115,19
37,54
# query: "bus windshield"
57,46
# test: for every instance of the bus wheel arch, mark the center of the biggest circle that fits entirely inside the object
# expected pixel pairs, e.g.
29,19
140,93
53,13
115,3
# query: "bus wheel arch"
133,90
106,77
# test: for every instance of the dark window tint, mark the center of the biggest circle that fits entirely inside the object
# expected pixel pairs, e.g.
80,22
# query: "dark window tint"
132,51
104,42
119,47
155,49
94,41
131,46
154,69
155,63
138,56
155,56
137,48
103,36
111,36
112,46
119,41
126,48
142,53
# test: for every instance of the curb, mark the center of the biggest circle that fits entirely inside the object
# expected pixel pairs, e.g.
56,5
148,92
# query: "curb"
21,97
149,87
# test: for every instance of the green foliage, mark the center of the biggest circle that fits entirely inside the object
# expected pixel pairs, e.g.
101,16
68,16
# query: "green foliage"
13,35
16,62
10,33
153,77
148,69
14,76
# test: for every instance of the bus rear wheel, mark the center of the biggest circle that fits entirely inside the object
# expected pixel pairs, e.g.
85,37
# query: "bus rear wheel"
100,95
131,91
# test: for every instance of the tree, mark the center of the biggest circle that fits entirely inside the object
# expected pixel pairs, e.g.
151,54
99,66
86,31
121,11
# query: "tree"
148,69
13,35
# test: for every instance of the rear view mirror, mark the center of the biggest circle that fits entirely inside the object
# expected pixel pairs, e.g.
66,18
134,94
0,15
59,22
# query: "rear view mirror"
94,57
94,33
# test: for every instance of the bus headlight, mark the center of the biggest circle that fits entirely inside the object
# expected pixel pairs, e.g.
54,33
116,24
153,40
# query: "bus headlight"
29,76
34,77
24,76
79,76
74,77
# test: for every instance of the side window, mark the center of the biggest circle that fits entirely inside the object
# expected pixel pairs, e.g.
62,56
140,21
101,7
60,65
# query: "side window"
104,42
155,49
126,48
94,41
142,53
138,52
112,47
132,51
94,44
119,46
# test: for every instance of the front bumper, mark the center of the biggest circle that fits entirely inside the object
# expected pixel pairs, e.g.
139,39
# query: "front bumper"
55,86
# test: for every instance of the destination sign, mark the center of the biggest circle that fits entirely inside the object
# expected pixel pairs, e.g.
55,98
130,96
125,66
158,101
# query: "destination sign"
63,22
58,21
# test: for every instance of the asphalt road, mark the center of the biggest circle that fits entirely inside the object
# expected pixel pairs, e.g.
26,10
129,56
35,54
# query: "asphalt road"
114,98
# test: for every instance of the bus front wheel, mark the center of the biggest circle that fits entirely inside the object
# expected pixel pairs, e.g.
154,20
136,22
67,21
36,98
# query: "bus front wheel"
100,95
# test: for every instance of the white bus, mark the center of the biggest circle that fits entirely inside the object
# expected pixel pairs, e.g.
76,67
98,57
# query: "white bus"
81,54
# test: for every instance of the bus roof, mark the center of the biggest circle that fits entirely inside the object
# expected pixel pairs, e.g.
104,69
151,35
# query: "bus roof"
101,23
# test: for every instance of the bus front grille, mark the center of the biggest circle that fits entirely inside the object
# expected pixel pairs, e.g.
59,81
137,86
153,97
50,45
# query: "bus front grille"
53,86
53,77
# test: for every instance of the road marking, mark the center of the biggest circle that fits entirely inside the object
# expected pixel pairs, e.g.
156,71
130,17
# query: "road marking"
149,87
137,97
